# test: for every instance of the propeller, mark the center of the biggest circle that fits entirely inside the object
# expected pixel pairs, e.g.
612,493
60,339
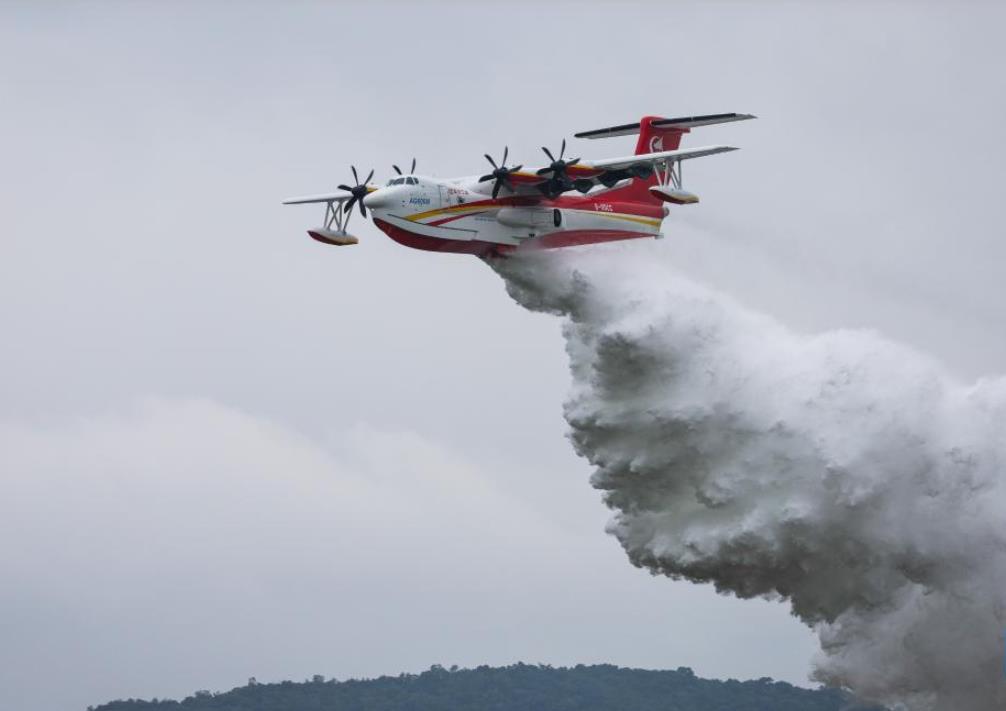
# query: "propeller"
411,172
501,174
559,180
358,192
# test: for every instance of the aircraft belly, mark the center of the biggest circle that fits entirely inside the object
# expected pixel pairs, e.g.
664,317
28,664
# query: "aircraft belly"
453,231
483,227
481,233
486,227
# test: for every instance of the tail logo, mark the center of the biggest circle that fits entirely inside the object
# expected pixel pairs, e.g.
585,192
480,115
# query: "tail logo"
656,144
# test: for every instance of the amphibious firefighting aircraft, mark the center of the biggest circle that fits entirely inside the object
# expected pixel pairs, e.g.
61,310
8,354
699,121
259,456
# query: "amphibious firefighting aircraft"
511,208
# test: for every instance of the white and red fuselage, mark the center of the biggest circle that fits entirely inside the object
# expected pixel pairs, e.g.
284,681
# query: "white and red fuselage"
564,204
460,215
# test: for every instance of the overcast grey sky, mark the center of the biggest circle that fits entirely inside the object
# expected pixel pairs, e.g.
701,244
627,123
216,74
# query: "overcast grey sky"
228,451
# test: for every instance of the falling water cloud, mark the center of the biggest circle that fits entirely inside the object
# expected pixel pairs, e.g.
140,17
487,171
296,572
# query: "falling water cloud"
840,472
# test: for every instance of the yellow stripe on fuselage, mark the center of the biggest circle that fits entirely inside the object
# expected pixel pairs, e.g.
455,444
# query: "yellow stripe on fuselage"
456,209
650,221
448,211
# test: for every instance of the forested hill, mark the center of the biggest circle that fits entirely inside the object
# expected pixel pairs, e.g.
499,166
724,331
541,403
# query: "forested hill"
520,687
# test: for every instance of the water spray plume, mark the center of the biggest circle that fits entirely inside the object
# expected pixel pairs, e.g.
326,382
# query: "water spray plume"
842,473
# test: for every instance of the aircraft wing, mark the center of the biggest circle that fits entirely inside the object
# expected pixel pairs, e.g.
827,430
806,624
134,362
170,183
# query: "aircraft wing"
653,158
586,173
340,196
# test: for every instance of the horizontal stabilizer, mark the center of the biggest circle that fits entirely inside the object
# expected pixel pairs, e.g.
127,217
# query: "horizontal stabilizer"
684,122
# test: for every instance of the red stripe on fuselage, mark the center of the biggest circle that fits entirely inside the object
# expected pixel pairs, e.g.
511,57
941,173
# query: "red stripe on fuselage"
435,244
592,204
553,240
437,223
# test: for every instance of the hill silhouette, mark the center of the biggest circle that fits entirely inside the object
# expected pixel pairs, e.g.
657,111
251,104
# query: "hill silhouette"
519,687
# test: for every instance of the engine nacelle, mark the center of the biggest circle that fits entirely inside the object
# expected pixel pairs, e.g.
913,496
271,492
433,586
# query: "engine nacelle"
327,236
673,195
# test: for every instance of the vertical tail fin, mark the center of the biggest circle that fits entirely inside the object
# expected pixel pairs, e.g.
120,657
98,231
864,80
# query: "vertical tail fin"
654,137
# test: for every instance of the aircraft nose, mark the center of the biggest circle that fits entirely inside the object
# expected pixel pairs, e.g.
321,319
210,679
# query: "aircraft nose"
379,198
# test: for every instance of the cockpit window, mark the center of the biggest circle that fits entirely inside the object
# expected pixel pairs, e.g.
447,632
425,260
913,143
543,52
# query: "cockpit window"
411,181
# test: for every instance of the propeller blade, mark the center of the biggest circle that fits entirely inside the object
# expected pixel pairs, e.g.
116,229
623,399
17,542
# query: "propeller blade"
363,209
572,162
496,188
491,161
368,178
356,178
548,153
413,166
515,168
563,150
543,171
349,204
506,150
397,169
486,178
346,188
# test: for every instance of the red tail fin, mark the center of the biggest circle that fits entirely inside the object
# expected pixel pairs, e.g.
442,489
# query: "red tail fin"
652,139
